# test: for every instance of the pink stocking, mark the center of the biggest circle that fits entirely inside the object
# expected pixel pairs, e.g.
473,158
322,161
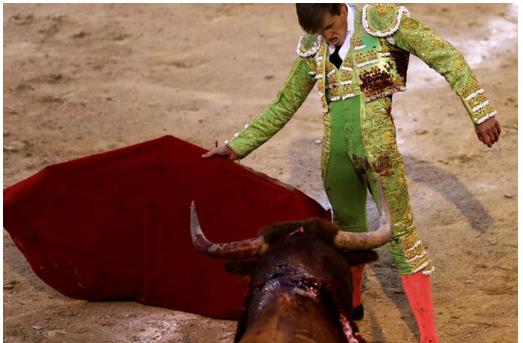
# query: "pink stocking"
419,293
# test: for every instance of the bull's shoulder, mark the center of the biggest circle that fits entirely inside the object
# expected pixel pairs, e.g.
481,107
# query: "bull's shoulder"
308,45
382,20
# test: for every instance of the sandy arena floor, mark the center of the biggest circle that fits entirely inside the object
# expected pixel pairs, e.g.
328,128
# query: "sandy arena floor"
81,79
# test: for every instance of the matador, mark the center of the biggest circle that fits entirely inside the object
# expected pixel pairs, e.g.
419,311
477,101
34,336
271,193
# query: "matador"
359,56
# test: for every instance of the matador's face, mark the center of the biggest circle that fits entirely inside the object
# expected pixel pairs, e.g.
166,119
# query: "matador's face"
335,27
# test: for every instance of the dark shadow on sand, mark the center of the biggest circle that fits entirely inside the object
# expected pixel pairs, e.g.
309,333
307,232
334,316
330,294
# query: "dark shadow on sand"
450,187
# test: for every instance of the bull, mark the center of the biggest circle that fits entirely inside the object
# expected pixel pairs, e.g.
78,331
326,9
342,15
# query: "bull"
300,287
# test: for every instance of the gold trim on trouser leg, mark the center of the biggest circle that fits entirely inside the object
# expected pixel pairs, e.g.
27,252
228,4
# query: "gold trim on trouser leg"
386,163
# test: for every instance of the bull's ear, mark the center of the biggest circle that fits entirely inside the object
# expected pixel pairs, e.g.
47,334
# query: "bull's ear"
240,268
355,257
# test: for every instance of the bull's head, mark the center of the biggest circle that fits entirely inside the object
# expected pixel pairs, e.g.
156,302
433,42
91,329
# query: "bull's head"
258,246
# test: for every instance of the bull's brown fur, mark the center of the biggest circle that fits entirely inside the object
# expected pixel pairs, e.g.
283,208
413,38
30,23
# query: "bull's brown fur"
300,287
318,228
288,318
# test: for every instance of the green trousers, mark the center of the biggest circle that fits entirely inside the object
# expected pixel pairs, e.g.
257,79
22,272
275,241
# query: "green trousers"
359,148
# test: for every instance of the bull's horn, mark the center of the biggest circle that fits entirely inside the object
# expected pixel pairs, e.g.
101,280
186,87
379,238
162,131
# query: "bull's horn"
369,240
234,250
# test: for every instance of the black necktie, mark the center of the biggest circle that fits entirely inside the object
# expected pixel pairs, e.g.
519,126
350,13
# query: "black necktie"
335,57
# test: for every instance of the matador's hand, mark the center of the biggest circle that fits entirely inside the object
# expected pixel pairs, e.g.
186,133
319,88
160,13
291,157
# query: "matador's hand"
488,132
222,151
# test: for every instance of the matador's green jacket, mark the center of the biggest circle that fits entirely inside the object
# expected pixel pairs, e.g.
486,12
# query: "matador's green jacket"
374,69
383,38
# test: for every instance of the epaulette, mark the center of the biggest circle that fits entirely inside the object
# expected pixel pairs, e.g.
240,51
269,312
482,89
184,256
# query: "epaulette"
382,20
308,45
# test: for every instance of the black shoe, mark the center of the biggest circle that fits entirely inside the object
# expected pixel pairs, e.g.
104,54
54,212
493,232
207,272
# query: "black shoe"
357,313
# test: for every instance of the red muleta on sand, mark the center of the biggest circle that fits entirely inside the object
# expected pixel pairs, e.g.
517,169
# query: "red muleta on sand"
115,226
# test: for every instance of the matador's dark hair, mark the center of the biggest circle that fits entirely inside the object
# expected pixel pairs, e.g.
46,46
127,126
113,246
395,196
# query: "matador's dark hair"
310,16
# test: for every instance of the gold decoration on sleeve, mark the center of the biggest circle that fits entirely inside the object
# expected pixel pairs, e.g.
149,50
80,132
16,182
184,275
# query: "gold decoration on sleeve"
409,23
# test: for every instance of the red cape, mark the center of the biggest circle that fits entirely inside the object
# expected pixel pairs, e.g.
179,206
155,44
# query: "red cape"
115,226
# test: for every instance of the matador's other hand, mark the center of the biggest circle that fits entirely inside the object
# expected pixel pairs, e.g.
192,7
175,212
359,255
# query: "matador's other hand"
222,151
488,132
